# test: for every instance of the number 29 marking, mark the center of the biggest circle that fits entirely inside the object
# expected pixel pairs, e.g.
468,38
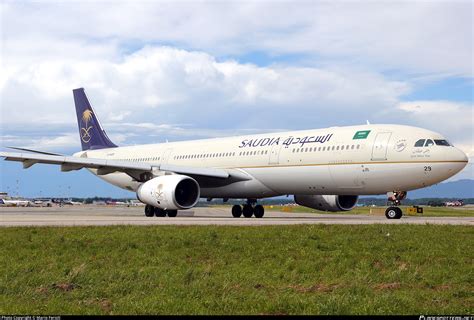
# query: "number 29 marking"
427,168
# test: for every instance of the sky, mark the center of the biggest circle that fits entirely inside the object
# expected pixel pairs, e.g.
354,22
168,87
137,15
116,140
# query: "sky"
167,71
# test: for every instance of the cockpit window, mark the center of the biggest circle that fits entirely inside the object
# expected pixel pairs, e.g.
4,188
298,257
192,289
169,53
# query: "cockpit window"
429,143
442,143
420,143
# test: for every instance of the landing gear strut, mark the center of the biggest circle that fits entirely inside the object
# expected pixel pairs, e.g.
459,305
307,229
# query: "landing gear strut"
251,208
151,211
394,200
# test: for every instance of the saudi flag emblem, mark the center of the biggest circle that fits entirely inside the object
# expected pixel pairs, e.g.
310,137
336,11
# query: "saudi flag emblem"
361,134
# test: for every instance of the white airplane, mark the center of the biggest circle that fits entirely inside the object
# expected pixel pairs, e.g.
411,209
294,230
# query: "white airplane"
325,169
15,203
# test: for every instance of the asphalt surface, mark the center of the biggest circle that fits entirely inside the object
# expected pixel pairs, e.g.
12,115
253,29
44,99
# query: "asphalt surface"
107,215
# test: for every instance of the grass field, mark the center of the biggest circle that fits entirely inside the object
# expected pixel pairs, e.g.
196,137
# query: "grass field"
428,211
320,269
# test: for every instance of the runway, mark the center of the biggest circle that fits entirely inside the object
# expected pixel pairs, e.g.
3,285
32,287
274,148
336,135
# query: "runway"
108,215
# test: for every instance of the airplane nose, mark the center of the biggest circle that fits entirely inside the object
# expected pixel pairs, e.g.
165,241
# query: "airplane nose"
461,156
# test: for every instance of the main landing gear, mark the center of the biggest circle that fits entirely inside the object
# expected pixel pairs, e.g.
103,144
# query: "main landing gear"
151,211
251,208
394,200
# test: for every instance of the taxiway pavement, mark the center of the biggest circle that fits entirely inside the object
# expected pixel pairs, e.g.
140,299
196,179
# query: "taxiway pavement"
109,215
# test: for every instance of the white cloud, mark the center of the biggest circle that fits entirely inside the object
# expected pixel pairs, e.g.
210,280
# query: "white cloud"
420,37
61,141
444,116
337,64
170,85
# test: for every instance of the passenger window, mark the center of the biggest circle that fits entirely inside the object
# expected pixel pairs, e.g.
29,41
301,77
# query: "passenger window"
429,143
420,143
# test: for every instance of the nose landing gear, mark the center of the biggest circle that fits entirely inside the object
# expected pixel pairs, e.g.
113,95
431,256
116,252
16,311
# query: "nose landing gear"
393,213
394,200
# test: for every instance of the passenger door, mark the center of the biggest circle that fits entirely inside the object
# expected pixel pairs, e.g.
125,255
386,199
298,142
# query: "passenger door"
379,150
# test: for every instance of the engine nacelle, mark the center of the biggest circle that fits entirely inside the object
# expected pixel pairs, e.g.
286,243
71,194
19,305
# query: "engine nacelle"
170,192
327,202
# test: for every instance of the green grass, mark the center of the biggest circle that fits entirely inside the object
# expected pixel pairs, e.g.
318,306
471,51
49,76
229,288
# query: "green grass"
427,211
319,269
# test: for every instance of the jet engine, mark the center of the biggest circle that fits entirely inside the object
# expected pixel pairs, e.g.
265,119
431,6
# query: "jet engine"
170,192
327,202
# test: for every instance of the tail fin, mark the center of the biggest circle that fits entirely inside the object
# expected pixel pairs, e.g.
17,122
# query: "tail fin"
90,131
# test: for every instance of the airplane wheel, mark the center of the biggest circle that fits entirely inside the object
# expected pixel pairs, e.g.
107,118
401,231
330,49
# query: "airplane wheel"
393,213
172,213
160,212
258,211
247,211
236,211
149,211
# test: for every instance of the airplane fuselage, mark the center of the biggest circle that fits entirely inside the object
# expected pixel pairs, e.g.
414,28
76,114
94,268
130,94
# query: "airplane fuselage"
353,160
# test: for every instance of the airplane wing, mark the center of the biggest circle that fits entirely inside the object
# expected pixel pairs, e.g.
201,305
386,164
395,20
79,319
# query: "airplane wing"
35,151
138,171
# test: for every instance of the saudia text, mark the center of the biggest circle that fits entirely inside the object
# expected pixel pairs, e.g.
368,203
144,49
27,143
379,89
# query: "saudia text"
301,141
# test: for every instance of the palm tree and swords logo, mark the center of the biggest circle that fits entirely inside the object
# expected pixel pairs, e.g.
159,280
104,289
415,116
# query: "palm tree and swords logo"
86,119
159,193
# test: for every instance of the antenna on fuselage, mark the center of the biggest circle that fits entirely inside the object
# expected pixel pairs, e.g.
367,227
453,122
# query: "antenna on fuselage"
367,121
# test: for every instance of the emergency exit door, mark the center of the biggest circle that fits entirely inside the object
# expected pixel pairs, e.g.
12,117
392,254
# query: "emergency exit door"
165,156
274,157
